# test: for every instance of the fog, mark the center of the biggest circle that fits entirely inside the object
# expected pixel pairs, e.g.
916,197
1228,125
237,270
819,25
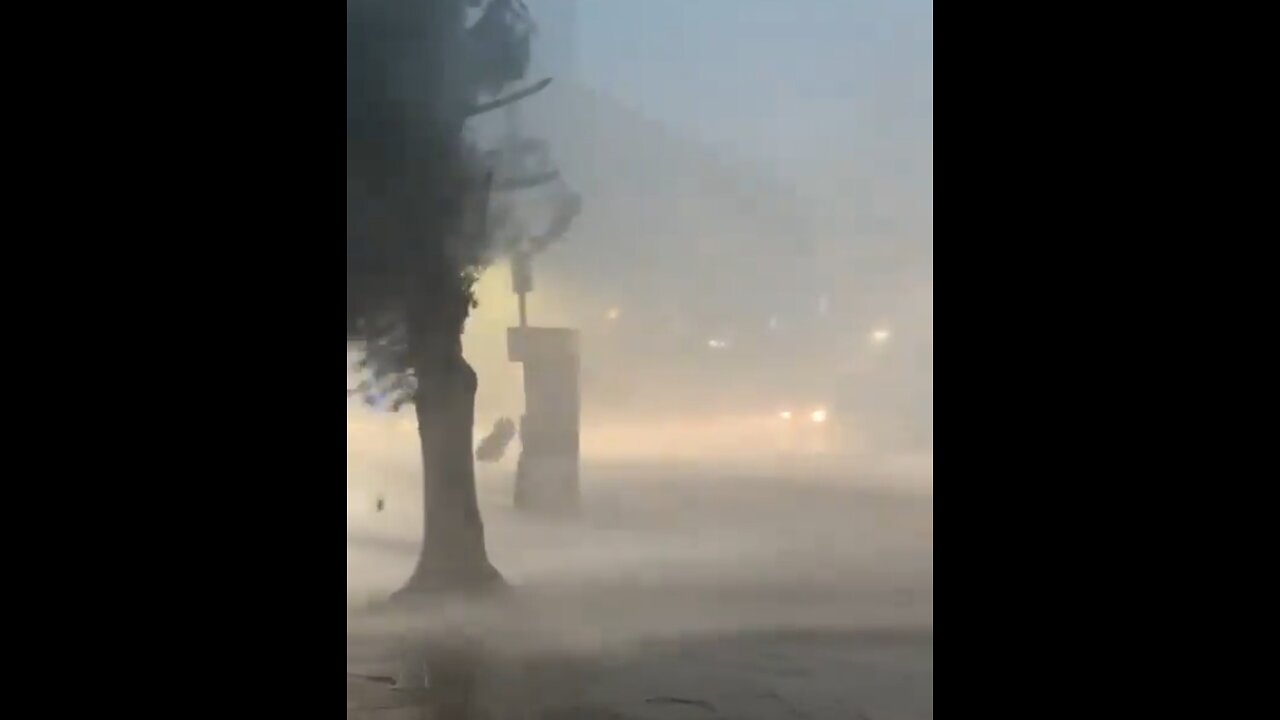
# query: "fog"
681,551
687,579
751,276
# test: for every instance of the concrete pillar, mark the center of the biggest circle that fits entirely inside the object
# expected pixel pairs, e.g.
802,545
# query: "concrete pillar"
547,478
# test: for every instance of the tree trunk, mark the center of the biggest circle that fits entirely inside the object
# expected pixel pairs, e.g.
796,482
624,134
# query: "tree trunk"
453,556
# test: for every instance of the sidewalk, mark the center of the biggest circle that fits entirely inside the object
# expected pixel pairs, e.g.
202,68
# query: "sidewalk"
883,676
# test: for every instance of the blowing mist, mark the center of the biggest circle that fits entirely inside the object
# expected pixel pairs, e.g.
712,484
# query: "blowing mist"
666,368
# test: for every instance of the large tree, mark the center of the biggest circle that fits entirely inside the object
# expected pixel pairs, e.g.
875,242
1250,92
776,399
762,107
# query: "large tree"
417,236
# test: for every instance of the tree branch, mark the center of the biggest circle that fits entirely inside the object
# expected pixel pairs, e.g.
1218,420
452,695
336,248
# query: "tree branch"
527,181
516,96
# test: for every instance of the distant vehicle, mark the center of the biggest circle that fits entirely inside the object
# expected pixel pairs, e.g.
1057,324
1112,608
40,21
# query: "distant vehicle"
797,380
879,400
808,428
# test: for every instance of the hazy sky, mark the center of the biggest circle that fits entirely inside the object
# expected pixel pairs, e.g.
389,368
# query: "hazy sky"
804,86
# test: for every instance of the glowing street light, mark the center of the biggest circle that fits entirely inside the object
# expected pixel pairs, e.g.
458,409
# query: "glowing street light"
880,336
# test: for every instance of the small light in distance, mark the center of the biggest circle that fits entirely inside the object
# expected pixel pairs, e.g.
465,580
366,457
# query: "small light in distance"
717,344
785,414
880,336
613,313
819,415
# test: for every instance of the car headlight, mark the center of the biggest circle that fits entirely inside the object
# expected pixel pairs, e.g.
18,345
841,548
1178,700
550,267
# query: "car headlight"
819,415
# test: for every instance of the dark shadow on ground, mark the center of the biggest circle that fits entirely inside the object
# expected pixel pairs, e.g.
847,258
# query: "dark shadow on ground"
885,674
